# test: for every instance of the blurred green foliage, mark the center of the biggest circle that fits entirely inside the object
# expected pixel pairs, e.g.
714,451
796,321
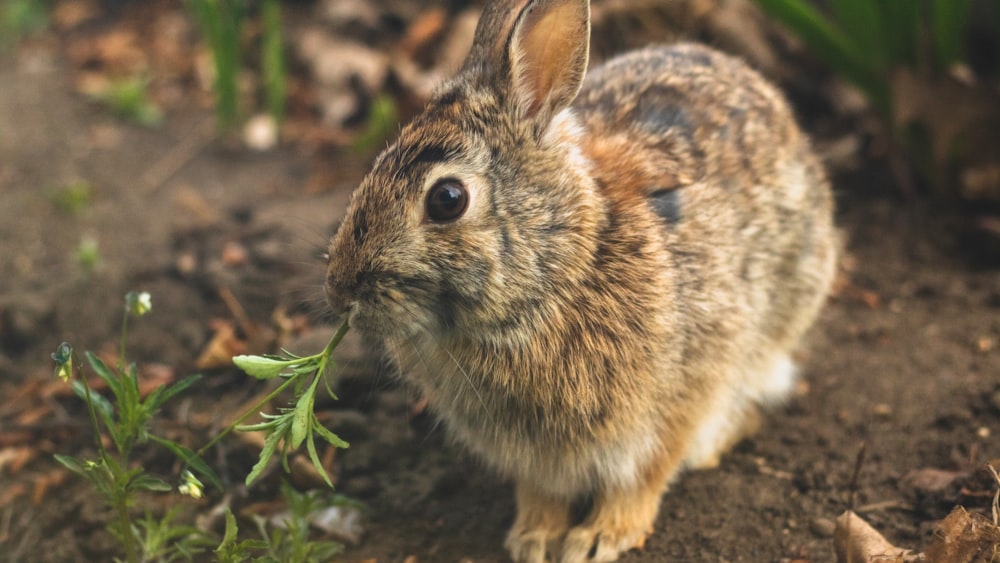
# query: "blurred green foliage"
223,24
129,98
22,17
911,59
866,40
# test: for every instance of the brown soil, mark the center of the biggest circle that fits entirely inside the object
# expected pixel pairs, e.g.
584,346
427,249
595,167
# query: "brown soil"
906,360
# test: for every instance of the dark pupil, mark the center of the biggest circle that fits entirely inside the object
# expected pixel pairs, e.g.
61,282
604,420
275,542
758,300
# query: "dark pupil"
446,201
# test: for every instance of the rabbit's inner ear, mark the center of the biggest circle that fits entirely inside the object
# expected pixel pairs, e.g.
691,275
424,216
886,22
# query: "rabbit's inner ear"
548,54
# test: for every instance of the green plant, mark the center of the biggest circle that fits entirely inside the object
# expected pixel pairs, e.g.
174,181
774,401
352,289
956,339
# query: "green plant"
903,55
273,59
381,121
287,430
865,40
22,17
128,98
126,419
164,540
72,198
288,542
222,23
88,253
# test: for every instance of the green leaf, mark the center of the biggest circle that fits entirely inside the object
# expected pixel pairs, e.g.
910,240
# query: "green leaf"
272,59
150,483
164,393
327,435
105,373
314,457
270,446
903,29
949,19
191,459
302,415
832,46
71,463
262,367
862,22
101,405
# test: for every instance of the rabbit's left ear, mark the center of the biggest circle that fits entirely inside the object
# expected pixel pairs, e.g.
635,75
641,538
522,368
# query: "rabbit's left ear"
548,49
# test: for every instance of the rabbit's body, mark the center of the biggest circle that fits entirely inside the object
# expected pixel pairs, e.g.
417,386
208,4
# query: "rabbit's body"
625,283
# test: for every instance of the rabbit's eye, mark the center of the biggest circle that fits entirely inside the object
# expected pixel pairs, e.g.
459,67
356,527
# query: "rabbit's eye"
447,200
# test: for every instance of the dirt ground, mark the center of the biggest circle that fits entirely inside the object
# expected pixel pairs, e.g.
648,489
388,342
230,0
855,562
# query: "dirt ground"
905,360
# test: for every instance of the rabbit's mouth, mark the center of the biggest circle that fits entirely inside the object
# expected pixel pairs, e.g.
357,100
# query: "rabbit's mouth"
381,314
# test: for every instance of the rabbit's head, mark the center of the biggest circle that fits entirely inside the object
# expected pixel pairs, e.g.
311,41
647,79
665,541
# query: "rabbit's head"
484,203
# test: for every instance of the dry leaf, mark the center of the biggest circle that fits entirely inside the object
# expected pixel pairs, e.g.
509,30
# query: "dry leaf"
855,541
219,351
950,109
965,538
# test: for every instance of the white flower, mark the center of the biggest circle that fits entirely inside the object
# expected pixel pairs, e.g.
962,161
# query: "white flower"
138,303
191,486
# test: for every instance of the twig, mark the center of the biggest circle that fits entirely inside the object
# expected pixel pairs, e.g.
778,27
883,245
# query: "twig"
237,310
884,505
183,152
855,475
852,489
996,498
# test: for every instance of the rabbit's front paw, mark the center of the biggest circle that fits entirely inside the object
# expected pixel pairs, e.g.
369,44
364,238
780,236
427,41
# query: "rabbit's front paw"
617,524
540,525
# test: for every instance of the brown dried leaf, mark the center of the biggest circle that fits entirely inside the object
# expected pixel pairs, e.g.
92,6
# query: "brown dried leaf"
965,538
12,493
930,480
46,482
71,13
221,348
14,459
950,109
423,31
855,541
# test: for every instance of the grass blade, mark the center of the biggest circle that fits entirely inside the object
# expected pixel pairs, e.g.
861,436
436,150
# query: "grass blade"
272,59
831,45
948,20
861,20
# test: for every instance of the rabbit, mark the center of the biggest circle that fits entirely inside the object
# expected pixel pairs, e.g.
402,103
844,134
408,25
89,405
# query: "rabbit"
595,280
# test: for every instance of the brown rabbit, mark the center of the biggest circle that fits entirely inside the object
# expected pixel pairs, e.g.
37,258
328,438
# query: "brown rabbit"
595,281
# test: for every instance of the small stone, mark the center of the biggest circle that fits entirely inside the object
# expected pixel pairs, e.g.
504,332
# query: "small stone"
882,410
260,133
186,264
983,432
234,254
822,527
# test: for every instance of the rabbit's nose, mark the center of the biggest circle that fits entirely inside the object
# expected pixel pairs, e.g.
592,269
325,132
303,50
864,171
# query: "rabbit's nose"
339,296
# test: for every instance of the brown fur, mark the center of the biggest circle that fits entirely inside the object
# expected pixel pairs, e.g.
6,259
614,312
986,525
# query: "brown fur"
567,333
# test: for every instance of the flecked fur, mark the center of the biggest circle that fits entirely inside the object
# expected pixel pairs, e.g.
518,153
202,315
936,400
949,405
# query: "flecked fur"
642,251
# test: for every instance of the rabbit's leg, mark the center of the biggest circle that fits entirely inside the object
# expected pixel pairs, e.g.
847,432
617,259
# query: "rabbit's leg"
736,411
620,519
541,522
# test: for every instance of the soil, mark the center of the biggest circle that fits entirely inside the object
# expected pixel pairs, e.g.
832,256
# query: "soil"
900,374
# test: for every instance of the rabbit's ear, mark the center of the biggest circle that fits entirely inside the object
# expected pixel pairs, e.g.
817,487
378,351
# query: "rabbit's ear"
547,52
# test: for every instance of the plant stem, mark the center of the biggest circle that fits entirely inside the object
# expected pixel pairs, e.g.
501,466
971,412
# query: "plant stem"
327,352
124,521
93,416
121,343
324,360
